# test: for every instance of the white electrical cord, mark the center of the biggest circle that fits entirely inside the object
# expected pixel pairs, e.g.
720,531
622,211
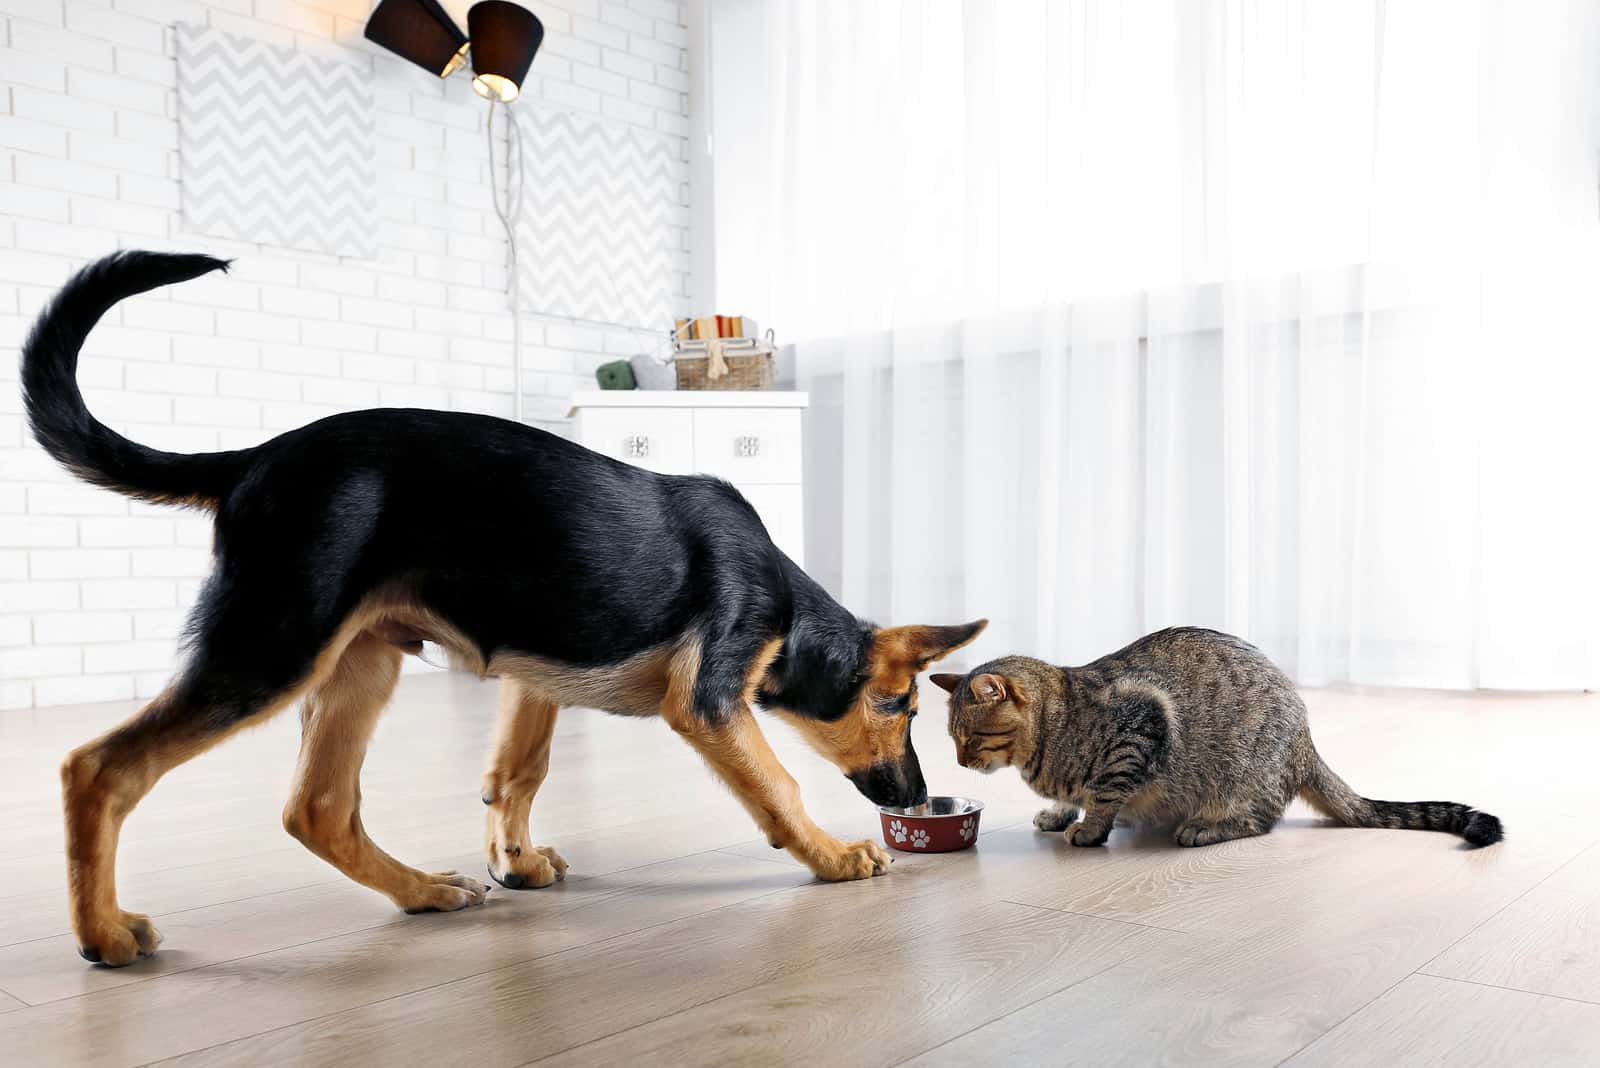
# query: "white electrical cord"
508,213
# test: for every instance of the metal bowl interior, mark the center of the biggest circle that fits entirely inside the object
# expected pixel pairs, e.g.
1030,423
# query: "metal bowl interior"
936,808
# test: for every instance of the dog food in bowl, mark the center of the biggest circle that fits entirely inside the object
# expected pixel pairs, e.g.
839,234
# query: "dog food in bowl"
943,825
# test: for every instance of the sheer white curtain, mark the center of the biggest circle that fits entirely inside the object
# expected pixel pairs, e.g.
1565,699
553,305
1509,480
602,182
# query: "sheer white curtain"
1272,317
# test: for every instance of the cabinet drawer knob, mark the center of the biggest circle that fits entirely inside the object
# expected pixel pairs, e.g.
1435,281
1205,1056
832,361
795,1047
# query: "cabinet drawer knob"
636,446
747,445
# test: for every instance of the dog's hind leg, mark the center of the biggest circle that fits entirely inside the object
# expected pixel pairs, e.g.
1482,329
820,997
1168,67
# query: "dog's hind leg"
103,780
518,761
324,810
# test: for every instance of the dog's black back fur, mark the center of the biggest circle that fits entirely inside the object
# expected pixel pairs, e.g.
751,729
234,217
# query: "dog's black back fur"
468,511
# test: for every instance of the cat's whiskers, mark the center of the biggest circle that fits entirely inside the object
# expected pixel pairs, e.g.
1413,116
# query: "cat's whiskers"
986,751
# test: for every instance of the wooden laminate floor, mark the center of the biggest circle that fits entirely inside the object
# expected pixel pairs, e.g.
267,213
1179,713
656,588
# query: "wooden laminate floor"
680,937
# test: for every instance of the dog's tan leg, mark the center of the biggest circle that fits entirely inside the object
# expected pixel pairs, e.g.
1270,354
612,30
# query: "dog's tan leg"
324,811
518,762
101,782
738,752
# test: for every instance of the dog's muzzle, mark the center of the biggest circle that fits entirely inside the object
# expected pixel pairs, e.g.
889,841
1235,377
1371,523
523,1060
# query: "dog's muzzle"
895,785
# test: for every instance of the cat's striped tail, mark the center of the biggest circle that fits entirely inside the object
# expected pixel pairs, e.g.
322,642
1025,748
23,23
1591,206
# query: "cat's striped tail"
1332,796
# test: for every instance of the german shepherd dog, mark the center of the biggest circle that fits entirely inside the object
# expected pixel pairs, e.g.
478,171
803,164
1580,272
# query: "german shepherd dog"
576,579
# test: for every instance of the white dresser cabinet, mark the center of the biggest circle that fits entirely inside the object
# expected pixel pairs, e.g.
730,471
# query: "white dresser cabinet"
751,439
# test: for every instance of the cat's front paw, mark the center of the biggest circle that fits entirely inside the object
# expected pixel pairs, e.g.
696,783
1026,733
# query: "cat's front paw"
1056,817
1087,837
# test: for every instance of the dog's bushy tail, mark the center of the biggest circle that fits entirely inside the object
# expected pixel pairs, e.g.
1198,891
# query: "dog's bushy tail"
61,421
1332,796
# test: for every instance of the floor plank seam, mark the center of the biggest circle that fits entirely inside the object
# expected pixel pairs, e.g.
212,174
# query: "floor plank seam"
644,1023
334,880
767,982
1418,970
1346,1018
180,912
733,851
23,1003
141,980
1557,870
1013,1012
288,850
1107,919
1502,986
171,843
460,978
672,860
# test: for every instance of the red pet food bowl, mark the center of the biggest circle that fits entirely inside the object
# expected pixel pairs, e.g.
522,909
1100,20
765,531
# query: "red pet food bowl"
943,825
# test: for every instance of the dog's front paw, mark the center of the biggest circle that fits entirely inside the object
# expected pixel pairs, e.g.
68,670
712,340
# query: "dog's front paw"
842,861
120,941
443,891
516,868
1056,817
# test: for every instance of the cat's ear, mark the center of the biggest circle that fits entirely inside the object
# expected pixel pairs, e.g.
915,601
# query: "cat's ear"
946,681
921,646
989,688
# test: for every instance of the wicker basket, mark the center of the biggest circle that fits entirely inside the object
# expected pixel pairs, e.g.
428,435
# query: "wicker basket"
746,370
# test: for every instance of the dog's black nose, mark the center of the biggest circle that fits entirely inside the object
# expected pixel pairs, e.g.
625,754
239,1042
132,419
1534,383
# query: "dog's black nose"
511,880
886,784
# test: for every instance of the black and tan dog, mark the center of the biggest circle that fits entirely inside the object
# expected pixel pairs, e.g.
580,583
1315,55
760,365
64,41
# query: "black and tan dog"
576,579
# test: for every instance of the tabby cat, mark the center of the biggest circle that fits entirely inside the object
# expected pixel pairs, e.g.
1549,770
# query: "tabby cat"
1184,727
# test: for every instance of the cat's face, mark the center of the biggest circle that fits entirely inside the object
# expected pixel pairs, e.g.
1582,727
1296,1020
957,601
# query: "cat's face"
989,722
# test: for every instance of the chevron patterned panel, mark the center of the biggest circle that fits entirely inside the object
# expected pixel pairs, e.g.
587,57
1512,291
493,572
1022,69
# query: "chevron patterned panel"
275,146
601,225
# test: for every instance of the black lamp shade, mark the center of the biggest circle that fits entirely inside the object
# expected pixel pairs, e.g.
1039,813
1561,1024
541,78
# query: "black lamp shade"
505,38
419,30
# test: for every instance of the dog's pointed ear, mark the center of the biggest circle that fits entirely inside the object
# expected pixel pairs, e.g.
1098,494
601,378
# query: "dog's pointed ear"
990,688
921,646
946,681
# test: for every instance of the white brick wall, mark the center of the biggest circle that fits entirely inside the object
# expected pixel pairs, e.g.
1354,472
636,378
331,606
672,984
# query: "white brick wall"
93,587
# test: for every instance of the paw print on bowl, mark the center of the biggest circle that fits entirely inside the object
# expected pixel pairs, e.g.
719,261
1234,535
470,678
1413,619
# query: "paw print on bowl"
943,825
